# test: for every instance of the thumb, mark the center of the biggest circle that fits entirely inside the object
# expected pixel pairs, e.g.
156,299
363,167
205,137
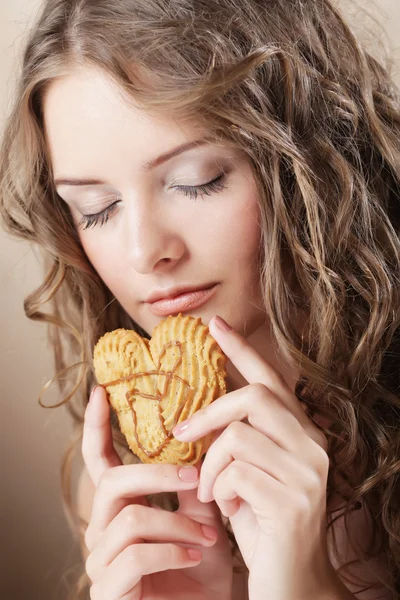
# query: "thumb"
215,569
97,443
207,513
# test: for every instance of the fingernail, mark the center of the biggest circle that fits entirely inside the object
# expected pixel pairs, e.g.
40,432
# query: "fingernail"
209,532
221,324
95,412
92,393
188,474
194,554
181,427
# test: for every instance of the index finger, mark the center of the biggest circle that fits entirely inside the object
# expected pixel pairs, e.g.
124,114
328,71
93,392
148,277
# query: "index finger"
253,367
98,451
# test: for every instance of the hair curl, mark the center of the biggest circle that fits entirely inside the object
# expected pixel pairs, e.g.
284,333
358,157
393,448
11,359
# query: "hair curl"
319,119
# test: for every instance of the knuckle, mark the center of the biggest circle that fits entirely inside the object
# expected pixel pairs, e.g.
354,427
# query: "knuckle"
258,392
89,567
131,515
88,538
174,554
321,460
106,480
236,471
131,557
322,441
94,592
300,507
312,483
85,450
234,433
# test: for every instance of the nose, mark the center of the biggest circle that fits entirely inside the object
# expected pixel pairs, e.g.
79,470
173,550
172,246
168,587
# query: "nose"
156,240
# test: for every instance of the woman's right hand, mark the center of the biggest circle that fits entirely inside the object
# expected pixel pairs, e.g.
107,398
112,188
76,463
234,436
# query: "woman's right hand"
138,552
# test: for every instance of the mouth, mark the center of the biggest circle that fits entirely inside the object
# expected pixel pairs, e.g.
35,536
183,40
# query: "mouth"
176,302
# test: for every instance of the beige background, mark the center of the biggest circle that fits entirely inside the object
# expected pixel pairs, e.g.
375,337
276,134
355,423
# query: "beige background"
37,548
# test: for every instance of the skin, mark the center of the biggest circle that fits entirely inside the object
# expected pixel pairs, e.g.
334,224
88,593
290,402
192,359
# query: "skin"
259,473
157,237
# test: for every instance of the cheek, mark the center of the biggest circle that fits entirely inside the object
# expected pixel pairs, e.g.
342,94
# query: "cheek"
106,258
235,235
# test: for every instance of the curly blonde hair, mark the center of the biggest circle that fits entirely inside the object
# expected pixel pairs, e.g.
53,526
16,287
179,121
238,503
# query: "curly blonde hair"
318,118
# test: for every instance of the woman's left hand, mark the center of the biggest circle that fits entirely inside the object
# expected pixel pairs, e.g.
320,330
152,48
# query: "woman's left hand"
269,476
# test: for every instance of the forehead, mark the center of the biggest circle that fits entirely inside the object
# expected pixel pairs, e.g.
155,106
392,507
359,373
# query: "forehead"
88,120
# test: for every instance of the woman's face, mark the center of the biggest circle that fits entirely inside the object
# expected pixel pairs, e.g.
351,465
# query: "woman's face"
150,231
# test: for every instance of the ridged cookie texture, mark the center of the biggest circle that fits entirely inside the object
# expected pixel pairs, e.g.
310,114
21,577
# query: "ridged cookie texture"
155,384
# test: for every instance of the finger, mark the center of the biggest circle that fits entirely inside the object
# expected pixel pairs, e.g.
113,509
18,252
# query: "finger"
253,367
241,442
190,506
207,514
256,403
137,524
126,571
125,482
243,481
97,444
278,506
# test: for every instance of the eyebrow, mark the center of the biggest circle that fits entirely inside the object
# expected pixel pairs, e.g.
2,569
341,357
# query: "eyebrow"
147,166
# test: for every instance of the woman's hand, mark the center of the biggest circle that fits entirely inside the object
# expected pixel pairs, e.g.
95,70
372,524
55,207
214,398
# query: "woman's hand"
269,476
139,552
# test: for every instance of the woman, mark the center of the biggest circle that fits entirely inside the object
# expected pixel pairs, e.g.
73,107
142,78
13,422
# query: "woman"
234,160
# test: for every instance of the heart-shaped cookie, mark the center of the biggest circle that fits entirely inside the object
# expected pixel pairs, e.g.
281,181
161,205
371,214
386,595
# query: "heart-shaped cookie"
155,384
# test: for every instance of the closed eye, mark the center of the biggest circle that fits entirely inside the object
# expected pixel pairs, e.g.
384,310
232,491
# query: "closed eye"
99,218
216,185
193,191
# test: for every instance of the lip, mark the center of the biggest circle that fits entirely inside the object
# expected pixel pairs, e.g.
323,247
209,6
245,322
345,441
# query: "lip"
180,300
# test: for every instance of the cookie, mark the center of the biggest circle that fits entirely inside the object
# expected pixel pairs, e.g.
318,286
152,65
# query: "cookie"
155,384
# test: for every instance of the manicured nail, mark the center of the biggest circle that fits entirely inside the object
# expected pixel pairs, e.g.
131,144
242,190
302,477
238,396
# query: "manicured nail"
96,412
221,324
194,554
209,532
92,394
188,474
181,427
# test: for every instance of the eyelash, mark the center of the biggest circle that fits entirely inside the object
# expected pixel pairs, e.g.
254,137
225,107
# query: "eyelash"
101,218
